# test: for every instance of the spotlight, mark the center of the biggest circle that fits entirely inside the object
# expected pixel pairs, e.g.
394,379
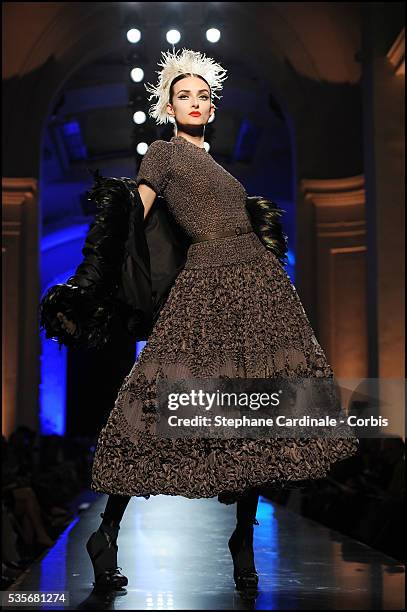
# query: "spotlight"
137,75
141,148
133,35
139,117
213,35
173,36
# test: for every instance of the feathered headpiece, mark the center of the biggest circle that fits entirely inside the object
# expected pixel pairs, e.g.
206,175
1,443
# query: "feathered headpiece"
189,62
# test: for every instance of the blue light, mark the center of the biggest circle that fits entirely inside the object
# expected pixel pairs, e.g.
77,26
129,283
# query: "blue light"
71,128
246,141
266,544
59,252
139,347
52,395
290,265
291,257
54,566
71,133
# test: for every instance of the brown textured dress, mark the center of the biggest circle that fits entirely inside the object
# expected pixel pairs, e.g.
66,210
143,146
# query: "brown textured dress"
232,311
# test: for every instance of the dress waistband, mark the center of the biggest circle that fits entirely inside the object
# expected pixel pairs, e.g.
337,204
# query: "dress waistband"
245,229
235,249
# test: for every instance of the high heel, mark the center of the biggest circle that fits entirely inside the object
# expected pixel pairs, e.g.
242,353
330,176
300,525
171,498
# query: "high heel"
102,550
241,548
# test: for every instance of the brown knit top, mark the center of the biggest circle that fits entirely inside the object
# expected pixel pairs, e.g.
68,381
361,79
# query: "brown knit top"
201,195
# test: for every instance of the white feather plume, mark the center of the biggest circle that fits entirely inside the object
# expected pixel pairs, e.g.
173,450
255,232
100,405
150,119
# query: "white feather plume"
188,62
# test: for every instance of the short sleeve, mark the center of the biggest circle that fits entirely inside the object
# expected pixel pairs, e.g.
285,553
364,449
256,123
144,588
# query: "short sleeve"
155,166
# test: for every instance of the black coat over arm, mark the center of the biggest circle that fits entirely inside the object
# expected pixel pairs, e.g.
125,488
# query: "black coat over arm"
130,264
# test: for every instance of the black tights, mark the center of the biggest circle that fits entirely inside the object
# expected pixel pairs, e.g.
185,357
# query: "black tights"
113,514
246,508
115,507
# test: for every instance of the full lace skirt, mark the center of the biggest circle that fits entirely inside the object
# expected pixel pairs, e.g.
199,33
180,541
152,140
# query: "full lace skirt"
232,312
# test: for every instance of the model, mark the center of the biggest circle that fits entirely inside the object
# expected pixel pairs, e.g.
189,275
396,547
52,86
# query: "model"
231,312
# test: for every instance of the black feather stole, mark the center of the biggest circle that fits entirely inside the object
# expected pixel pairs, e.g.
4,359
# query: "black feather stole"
88,297
265,219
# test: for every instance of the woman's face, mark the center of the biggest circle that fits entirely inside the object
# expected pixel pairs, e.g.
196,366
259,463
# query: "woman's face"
191,95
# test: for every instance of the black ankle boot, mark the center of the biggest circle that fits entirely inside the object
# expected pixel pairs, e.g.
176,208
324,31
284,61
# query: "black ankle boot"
102,549
241,548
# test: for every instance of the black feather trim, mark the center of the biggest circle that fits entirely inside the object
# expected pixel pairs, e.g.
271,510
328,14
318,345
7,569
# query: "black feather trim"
93,317
265,219
88,297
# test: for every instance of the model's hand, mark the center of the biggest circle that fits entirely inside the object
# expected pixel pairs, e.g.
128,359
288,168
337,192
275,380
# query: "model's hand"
69,326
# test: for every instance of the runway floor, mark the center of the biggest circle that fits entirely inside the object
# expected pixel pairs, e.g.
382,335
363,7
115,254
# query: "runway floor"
174,552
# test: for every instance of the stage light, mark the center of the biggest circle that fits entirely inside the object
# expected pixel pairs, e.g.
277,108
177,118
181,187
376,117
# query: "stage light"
133,35
137,75
141,148
139,117
173,36
213,35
